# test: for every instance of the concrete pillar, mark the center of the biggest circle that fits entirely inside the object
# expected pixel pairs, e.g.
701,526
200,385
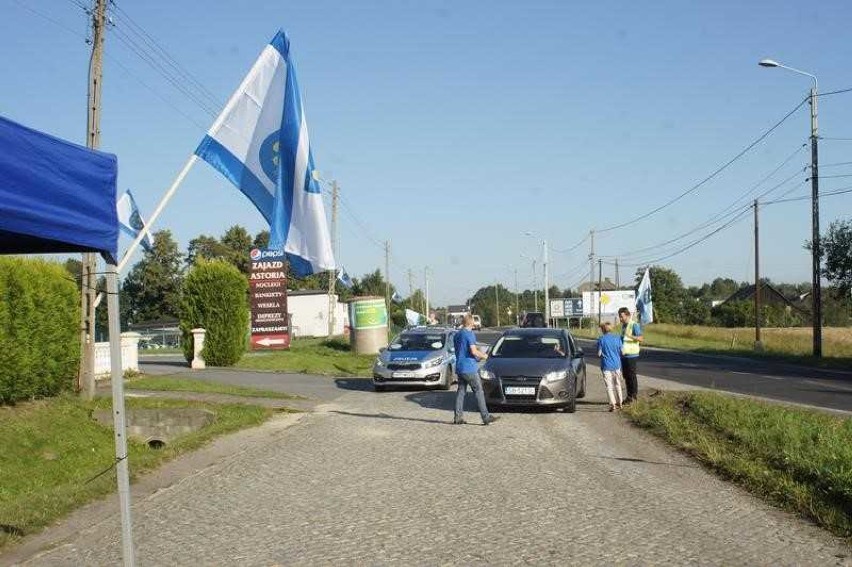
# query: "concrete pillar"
197,345
130,351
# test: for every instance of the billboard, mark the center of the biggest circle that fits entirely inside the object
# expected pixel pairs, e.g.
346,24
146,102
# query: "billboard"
557,308
570,307
368,314
610,302
270,325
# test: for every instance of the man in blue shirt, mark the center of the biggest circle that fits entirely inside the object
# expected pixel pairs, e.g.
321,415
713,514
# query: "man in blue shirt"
609,351
631,337
467,369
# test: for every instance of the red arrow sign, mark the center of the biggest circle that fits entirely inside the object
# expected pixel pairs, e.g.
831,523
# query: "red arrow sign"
277,341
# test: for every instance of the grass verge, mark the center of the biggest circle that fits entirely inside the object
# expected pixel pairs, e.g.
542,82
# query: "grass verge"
798,459
329,357
51,452
179,384
789,344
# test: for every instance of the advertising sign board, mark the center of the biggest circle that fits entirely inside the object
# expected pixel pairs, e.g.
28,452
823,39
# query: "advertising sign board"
270,327
369,314
557,308
610,302
574,307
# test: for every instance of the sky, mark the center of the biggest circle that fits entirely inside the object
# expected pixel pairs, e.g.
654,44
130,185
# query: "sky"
455,127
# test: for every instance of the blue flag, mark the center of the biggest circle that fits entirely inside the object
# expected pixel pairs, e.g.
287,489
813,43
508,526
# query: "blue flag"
344,279
130,221
260,144
644,300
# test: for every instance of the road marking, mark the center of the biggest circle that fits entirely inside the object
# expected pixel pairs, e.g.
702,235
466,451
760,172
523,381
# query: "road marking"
824,385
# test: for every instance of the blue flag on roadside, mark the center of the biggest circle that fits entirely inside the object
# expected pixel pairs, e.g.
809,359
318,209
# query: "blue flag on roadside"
130,221
344,279
644,300
260,144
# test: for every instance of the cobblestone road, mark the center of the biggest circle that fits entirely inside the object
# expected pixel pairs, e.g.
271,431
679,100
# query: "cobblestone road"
384,479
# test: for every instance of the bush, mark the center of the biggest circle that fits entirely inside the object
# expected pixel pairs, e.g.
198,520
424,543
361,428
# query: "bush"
39,326
215,297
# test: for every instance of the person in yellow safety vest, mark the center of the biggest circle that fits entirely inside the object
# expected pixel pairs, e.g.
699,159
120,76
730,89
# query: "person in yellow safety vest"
631,337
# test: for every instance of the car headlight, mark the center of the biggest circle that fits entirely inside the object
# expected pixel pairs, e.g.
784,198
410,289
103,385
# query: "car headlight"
486,374
555,376
379,362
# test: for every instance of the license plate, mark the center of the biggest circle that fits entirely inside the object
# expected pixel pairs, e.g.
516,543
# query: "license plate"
403,374
519,391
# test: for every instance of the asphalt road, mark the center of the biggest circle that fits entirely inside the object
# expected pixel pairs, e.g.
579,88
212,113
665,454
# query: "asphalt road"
824,388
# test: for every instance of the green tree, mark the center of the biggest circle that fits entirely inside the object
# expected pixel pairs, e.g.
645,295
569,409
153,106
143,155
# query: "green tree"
485,303
151,291
261,239
837,254
215,298
233,247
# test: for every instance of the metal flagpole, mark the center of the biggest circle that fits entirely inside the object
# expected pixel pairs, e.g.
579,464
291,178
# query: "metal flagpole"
118,412
166,198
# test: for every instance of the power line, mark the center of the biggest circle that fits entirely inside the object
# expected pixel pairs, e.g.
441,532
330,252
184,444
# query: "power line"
805,197
158,49
743,214
830,93
572,248
715,173
727,211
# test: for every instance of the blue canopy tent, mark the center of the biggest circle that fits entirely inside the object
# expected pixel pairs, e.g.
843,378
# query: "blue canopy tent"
56,197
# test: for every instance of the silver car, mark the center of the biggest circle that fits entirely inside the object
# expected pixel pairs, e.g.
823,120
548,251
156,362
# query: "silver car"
421,356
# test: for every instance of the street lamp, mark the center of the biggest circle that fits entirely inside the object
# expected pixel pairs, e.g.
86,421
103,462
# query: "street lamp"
816,249
535,281
546,278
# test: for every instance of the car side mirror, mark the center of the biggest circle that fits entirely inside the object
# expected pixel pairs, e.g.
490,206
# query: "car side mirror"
579,353
383,349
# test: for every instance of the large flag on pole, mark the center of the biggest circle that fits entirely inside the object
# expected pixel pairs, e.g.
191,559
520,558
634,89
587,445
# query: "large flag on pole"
644,300
130,221
260,144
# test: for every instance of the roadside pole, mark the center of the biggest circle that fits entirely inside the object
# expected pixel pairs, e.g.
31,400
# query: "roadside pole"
497,301
387,280
88,277
591,273
758,344
600,288
332,275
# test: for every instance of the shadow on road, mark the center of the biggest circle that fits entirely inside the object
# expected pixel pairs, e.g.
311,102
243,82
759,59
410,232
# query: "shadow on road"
357,384
387,416
175,363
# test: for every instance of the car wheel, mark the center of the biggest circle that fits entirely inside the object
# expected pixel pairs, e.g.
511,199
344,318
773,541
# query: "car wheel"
379,387
572,403
582,392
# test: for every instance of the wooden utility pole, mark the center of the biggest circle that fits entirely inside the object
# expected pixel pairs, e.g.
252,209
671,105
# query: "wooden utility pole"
387,278
332,275
591,274
758,344
88,277
600,288
497,302
426,297
617,279
411,285
517,302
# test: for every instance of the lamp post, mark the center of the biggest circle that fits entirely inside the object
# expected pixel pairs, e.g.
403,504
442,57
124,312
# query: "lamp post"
546,278
816,249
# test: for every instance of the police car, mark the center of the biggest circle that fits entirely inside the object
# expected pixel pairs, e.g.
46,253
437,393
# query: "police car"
420,356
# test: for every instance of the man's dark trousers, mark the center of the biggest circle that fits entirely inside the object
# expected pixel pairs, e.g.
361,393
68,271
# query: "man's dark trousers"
628,368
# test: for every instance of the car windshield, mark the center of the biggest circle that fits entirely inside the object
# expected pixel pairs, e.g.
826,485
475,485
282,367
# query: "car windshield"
529,346
418,341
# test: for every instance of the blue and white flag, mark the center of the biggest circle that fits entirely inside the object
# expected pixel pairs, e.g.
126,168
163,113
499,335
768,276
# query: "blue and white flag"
130,221
396,297
344,279
644,300
412,317
260,144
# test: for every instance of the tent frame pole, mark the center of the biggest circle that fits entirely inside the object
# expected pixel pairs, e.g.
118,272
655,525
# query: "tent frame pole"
118,413
162,205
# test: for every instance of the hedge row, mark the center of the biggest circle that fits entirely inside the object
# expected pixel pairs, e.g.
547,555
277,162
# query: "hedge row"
39,325
215,297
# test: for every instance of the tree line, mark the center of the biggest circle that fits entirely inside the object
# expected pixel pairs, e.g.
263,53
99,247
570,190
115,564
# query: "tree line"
151,290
